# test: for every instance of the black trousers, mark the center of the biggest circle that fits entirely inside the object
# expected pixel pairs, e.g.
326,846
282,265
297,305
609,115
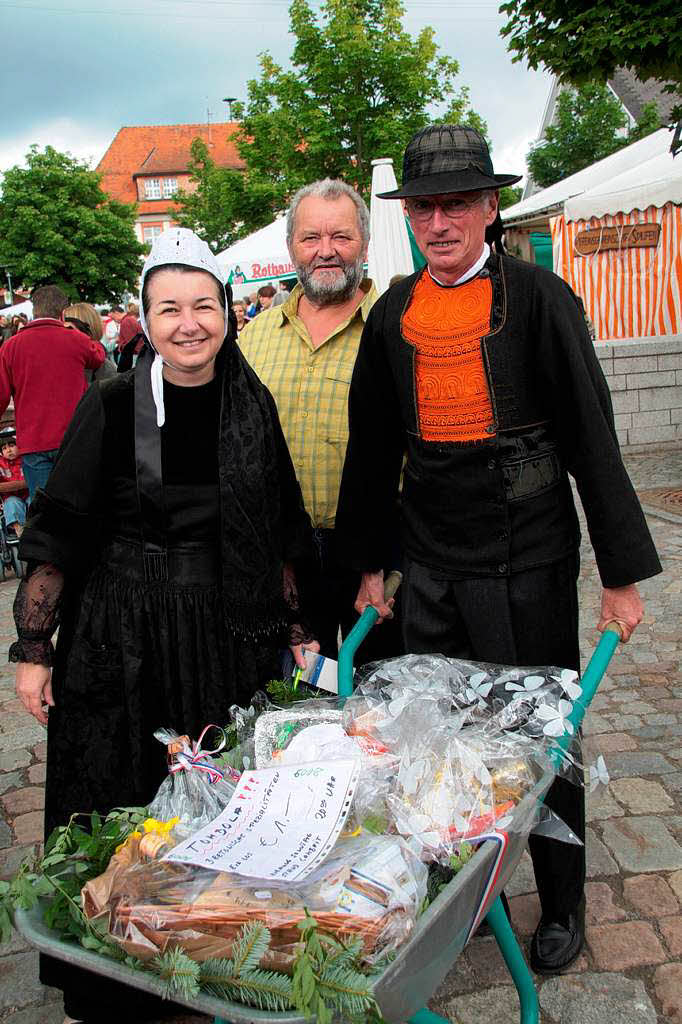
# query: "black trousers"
528,618
329,589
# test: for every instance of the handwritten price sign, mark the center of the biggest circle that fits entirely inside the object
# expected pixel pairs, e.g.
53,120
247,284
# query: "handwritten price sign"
280,824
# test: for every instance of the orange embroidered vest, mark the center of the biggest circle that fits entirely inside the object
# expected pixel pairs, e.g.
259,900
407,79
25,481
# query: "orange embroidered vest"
446,325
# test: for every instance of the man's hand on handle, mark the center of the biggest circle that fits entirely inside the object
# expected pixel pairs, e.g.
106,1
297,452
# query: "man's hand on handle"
371,592
622,605
34,689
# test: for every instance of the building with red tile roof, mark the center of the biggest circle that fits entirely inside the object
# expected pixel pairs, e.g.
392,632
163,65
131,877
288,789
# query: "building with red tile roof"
147,164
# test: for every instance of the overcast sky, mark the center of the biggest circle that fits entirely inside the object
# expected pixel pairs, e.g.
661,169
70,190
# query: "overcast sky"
74,71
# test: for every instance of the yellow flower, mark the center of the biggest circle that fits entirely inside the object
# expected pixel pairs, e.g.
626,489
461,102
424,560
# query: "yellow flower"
133,835
162,827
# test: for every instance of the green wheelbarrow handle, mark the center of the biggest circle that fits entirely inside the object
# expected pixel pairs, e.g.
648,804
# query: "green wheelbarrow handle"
590,680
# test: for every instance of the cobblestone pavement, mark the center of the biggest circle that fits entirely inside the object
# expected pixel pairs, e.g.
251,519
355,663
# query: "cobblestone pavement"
631,969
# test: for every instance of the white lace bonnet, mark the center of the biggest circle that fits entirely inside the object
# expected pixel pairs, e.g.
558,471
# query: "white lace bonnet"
177,245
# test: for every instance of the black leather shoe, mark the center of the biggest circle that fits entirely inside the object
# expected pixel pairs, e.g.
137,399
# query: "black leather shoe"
556,944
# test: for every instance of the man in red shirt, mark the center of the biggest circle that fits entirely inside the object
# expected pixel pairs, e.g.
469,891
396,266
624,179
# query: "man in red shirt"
43,369
13,490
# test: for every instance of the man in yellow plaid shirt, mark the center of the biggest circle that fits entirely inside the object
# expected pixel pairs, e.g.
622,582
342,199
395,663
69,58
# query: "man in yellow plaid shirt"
304,352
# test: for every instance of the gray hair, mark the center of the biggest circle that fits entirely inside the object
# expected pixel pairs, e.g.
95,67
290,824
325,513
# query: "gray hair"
329,188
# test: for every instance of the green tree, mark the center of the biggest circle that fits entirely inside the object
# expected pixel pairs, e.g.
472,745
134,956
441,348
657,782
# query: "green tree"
359,87
649,121
226,204
588,39
509,195
58,227
586,129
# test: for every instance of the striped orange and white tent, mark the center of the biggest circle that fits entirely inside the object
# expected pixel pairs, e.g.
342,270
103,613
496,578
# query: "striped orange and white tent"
628,291
619,246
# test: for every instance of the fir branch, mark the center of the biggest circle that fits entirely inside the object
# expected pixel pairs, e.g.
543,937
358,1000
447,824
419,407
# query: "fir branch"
249,947
346,988
338,953
179,974
216,975
266,990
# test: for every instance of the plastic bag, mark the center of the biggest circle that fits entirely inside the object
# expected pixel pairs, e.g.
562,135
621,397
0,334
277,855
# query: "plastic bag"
533,701
370,887
196,789
314,731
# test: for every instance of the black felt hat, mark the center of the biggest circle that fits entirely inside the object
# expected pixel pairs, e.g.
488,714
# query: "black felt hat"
447,158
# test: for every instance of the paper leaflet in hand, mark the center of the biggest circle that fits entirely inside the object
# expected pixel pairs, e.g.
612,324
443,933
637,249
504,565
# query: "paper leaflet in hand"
321,672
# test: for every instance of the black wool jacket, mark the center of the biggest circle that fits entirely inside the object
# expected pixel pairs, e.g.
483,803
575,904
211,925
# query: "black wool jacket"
498,506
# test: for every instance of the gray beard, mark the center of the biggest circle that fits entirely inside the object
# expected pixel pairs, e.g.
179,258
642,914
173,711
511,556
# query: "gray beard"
335,291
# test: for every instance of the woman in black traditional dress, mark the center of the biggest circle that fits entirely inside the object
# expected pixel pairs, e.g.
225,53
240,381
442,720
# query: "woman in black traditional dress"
164,546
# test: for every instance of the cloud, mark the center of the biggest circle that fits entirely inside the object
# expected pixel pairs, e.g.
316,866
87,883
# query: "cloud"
91,71
87,142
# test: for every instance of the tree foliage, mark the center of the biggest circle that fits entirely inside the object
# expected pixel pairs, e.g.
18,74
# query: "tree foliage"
226,204
588,39
358,88
509,195
58,227
586,129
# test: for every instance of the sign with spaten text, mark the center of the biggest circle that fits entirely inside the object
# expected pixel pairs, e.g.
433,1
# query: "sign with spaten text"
280,824
625,236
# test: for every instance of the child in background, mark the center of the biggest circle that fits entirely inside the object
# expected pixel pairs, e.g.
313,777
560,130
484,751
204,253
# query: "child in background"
13,488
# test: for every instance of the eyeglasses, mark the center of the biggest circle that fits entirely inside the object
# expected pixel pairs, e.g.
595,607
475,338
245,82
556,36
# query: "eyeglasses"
424,209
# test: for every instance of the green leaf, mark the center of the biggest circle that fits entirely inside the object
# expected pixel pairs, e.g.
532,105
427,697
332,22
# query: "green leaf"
5,924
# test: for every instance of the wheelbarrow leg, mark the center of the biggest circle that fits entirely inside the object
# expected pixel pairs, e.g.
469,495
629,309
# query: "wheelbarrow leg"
426,1017
515,961
518,968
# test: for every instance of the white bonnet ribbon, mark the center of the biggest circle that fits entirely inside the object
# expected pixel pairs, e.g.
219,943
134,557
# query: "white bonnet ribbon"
157,389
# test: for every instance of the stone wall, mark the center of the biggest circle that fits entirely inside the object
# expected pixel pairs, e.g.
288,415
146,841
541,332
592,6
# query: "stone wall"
645,377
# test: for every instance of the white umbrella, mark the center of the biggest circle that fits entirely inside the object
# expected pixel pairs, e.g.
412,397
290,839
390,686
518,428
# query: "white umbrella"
389,244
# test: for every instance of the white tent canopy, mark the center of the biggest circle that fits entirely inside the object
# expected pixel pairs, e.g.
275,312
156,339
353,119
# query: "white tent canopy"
624,161
653,183
259,258
25,306
389,246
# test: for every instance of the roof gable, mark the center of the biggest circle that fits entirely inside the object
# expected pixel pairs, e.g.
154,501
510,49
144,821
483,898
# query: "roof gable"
162,149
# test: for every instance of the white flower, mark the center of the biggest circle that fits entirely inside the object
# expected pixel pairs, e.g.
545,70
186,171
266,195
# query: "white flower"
478,689
556,719
529,687
529,684
567,679
598,774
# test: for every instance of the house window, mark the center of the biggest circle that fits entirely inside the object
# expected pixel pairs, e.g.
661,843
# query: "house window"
152,188
170,187
150,232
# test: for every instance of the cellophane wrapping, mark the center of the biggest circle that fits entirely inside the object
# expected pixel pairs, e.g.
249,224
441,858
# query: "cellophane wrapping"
447,751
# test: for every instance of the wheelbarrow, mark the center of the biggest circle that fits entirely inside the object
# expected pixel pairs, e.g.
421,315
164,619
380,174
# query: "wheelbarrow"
441,932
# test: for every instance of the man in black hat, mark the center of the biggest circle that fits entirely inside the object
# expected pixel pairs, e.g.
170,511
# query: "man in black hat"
480,370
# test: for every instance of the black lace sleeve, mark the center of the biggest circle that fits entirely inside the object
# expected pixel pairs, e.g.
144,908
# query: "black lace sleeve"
36,614
299,628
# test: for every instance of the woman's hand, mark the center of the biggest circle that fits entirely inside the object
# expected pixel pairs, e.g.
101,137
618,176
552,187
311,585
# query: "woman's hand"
298,651
34,689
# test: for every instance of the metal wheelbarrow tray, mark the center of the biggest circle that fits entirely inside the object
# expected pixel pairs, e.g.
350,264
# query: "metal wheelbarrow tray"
440,933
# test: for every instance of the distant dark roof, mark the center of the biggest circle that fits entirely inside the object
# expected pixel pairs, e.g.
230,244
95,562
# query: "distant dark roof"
634,93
